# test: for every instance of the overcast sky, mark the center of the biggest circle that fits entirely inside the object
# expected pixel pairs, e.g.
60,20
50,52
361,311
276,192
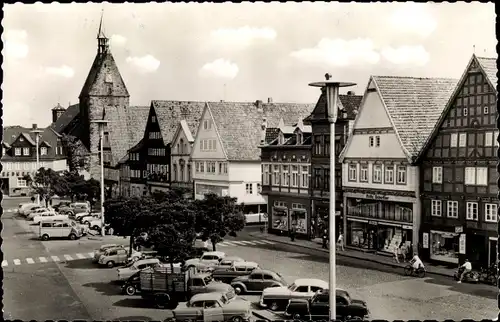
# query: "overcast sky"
189,51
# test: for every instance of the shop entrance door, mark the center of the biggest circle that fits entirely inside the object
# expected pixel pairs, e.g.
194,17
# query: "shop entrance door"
492,252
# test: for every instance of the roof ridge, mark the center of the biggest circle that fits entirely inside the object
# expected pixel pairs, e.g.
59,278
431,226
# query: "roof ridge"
489,58
414,77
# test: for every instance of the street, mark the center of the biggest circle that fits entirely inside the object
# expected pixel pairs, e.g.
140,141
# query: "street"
66,285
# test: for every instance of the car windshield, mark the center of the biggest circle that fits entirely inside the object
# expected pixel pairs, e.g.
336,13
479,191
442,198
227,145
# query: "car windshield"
224,300
292,286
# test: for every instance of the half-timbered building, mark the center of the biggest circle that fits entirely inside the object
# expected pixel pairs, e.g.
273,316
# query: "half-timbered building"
459,177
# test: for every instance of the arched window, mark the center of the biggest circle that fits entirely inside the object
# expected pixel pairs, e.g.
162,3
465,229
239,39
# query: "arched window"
181,143
175,172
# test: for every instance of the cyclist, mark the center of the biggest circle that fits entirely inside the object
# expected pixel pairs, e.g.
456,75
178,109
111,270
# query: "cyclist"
416,262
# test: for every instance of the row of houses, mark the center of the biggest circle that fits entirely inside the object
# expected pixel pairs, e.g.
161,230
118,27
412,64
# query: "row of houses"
418,168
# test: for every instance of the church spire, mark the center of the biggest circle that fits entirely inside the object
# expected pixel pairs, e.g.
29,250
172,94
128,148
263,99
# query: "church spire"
102,40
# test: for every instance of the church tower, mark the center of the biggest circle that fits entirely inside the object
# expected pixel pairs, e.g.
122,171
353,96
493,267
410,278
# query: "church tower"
104,89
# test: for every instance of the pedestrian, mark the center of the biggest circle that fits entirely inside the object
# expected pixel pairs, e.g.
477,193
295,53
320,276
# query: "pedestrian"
340,242
292,233
396,253
325,239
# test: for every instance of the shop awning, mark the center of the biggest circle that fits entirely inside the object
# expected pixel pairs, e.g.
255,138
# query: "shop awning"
445,234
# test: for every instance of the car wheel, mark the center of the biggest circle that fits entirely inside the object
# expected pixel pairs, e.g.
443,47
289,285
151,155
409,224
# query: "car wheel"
274,306
96,228
237,319
45,237
110,264
72,236
297,316
408,270
237,289
130,290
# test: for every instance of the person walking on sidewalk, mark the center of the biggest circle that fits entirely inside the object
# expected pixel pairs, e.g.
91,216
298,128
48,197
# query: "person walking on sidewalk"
325,239
340,242
292,233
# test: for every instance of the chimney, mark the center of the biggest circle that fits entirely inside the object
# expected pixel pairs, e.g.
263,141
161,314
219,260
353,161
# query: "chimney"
263,131
269,100
258,103
351,93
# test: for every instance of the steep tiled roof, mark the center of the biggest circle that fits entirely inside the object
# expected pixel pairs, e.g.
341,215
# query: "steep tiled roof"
104,65
414,106
241,138
137,117
11,133
489,65
348,104
170,113
65,119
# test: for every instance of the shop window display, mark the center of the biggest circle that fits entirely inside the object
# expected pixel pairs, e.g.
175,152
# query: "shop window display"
280,216
444,246
299,218
361,235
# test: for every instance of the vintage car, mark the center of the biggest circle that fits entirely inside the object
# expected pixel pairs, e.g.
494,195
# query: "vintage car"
257,281
318,308
126,272
226,274
102,250
230,260
276,298
207,260
213,307
133,284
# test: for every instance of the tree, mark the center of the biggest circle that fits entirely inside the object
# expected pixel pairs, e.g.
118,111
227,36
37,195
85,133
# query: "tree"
76,153
47,183
91,189
218,216
75,182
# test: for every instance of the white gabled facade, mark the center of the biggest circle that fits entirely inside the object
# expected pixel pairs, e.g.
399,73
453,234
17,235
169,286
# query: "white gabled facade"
182,168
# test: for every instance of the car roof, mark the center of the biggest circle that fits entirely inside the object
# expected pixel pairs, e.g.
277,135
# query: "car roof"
211,296
201,275
312,282
233,258
264,271
216,253
147,260
246,264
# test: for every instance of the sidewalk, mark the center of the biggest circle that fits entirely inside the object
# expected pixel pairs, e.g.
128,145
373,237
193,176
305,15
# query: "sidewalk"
352,253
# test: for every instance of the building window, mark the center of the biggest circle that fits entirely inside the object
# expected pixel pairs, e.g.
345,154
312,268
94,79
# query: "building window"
265,173
285,181
259,188
295,176
490,212
175,172
363,173
370,141
181,172
318,178
202,167
401,174
437,174
488,138
212,166
466,111
318,149
43,151
377,173
225,167
436,208
389,174
248,188
452,209
486,110
462,141
26,151
377,141
276,175
495,138
476,176
472,211
304,176
326,179
21,183
454,140
327,144
197,167
207,125
352,172
181,146
153,119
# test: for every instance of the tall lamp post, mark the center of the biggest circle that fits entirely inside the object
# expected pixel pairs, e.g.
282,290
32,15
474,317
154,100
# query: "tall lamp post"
35,130
101,124
332,96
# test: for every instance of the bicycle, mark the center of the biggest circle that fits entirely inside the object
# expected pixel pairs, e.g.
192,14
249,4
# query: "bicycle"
410,271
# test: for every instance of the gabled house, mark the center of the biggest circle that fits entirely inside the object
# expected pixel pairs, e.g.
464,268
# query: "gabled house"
286,162
380,181
19,156
182,144
226,153
459,175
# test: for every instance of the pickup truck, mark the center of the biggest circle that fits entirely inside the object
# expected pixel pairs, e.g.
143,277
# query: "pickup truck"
166,288
318,308
226,274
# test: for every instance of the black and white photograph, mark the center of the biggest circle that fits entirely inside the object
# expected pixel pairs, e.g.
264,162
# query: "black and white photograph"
237,162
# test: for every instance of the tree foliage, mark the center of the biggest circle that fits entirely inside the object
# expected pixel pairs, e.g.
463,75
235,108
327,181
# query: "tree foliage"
46,183
75,153
217,217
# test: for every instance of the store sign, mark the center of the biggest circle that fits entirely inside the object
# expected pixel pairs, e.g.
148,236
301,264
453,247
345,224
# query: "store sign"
461,244
425,240
376,196
459,229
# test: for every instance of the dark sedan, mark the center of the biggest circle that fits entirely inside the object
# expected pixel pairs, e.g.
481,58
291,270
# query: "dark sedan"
318,308
257,281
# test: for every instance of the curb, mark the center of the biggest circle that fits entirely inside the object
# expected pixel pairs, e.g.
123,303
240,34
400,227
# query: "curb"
346,255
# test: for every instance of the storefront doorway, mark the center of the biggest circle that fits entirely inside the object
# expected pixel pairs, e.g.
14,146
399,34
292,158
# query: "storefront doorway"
492,251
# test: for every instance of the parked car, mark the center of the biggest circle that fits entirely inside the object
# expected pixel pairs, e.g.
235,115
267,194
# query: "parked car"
206,260
87,218
133,284
31,209
23,207
102,250
61,204
227,274
129,270
257,281
318,308
49,215
213,307
113,256
36,212
229,261
276,298
59,229
80,207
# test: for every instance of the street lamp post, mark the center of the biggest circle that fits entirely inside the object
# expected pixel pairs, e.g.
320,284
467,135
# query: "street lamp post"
35,130
101,124
332,96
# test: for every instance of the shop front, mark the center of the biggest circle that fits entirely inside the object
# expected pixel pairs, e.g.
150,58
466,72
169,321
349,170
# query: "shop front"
298,218
319,219
444,246
285,214
279,217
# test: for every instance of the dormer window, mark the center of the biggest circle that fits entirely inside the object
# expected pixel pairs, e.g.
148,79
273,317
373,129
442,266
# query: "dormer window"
281,138
17,151
43,151
298,138
26,151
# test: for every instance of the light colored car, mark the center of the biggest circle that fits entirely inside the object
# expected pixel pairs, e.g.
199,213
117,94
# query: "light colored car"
207,260
114,256
227,274
230,260
87,218
25,206
36,212
59,229
211,307
48,215
80,207
277,298
102,250
126,272
28,211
